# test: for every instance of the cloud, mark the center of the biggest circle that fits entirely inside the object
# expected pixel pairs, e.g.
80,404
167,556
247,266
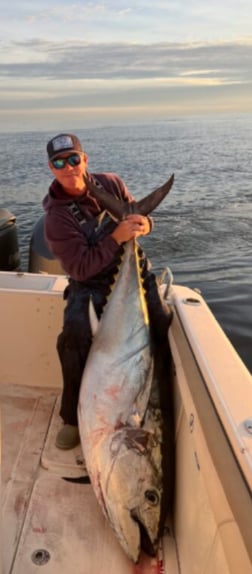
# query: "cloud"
83,59
143,21
229,62
85,81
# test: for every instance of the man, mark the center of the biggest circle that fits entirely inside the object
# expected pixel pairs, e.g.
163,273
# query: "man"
89,245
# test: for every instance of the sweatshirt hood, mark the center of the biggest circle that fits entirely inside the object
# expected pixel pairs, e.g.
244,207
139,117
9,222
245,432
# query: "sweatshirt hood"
57,196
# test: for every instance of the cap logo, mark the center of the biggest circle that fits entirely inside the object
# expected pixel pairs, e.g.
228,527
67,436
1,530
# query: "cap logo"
62,142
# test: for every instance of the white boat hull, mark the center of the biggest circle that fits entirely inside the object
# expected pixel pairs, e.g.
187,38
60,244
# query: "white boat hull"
58,523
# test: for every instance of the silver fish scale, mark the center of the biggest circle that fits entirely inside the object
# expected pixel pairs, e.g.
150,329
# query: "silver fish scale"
120,437
117,380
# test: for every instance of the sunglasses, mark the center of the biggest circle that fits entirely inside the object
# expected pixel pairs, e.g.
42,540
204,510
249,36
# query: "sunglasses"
72,160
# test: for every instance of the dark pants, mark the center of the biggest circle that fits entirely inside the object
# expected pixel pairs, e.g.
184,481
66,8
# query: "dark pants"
75,340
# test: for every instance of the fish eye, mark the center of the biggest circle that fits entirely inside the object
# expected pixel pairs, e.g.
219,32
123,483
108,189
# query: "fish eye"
152,497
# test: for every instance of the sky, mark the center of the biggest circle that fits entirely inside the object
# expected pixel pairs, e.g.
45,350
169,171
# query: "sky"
68,64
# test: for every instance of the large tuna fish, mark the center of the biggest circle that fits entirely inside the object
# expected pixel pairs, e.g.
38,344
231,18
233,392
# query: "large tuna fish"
119,415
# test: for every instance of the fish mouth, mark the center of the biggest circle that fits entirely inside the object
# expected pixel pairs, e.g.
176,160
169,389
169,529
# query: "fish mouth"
148,529
135,537
148,545
134,532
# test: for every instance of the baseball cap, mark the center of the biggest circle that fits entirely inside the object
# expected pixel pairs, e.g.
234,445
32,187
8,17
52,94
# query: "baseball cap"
62,143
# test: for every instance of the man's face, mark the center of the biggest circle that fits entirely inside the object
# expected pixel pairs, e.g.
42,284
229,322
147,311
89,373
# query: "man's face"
70,173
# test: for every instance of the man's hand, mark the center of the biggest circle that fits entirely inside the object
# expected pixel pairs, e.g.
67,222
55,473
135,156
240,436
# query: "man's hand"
131,227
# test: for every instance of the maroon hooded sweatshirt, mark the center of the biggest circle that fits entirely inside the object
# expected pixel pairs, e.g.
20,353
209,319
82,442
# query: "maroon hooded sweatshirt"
69,240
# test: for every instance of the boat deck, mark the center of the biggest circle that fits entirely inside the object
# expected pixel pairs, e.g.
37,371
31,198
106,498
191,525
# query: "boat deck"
57,523
48,520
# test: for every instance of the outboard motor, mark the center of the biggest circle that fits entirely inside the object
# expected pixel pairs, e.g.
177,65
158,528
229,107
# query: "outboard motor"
41,260
9,250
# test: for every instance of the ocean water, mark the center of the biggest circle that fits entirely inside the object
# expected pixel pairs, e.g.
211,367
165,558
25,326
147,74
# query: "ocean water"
203,229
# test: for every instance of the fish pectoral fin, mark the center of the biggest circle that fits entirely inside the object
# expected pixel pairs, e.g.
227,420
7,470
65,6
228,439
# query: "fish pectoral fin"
93,319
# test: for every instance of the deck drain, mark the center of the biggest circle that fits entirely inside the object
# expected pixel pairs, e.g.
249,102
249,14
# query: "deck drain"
40,557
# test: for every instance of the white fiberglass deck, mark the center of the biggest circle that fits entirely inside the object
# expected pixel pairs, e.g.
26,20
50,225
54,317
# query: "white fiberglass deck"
49,521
